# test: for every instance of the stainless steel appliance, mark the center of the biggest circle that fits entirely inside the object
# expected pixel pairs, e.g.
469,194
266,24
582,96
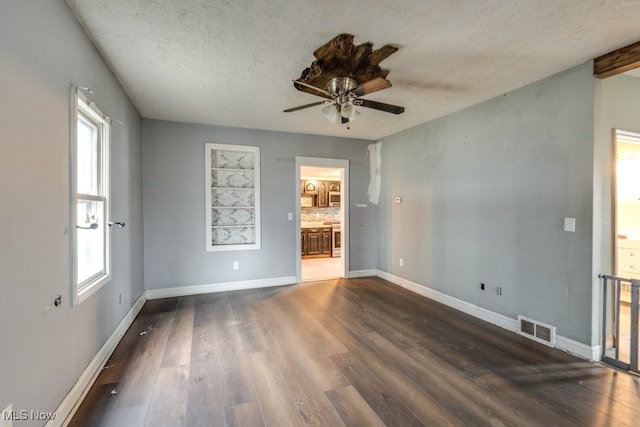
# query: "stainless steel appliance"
334,198
336,250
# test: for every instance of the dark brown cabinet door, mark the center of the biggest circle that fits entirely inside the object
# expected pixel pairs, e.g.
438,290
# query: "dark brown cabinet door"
314,242
310,187
303,242
326,242
323,195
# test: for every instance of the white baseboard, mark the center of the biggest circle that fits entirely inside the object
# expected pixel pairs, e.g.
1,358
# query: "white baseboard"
73,399
584,351
353,274
219,287
591,353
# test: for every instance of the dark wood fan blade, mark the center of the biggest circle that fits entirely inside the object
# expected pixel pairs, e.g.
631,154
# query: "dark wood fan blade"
395,109
302,107
371,86
313,90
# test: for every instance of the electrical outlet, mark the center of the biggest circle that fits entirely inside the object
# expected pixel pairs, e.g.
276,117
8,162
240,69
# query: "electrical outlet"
482,286
401,261
236,265
499,290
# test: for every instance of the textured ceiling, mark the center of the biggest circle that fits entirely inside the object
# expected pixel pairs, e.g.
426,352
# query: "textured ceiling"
232,62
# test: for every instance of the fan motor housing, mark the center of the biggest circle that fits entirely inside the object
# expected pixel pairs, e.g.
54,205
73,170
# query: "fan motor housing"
340,86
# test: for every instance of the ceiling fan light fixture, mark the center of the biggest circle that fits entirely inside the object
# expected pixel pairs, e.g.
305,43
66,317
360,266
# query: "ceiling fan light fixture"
347,110
332,114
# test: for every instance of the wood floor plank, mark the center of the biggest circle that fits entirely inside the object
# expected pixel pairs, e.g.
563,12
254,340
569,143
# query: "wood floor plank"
135,373
422,394
244,415
380,398
353,409
495,352
237,386
277,399
102,403
298,344
306,317
168,407
138,387
205,406
307,373
453,390
343,352
492,360
501,357
179,352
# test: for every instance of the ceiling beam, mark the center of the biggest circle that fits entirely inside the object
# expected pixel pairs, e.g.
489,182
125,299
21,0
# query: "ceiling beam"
618,61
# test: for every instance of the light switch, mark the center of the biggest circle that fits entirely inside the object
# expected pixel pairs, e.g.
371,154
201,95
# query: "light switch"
570,225
290,216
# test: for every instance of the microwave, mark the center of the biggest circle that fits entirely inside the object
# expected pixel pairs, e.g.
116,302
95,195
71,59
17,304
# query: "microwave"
334,198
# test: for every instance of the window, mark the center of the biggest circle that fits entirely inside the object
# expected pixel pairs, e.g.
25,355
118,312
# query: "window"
90,197
232,182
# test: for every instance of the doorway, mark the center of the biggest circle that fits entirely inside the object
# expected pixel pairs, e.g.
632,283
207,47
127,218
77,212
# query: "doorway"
321,211
620,315
627,205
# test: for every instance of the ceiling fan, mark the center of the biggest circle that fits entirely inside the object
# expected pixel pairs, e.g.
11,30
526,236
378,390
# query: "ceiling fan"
348,72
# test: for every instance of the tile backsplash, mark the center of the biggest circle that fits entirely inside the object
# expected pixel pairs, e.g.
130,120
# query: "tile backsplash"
331,214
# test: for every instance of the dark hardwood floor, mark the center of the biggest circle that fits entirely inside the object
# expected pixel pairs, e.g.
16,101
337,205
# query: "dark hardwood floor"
356,352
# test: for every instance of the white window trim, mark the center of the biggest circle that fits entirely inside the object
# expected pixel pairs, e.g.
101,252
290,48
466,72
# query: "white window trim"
80,103
208,199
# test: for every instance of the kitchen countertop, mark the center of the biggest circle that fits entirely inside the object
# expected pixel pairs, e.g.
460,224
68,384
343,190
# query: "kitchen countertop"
315,224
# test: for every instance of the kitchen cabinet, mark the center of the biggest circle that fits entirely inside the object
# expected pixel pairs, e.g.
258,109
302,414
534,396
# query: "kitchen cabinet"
319,190
309,187
315,242
326,241
323,197
628,265
629,259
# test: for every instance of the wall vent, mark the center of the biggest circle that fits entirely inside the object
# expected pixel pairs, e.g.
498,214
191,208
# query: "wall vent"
537,331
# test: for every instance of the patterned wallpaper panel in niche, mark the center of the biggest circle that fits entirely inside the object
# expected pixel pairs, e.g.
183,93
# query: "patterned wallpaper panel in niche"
233,236
232,179
233,216
233,197
232,159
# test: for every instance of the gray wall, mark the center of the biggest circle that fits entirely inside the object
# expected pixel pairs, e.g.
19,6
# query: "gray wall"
173,158
43,51
484,194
